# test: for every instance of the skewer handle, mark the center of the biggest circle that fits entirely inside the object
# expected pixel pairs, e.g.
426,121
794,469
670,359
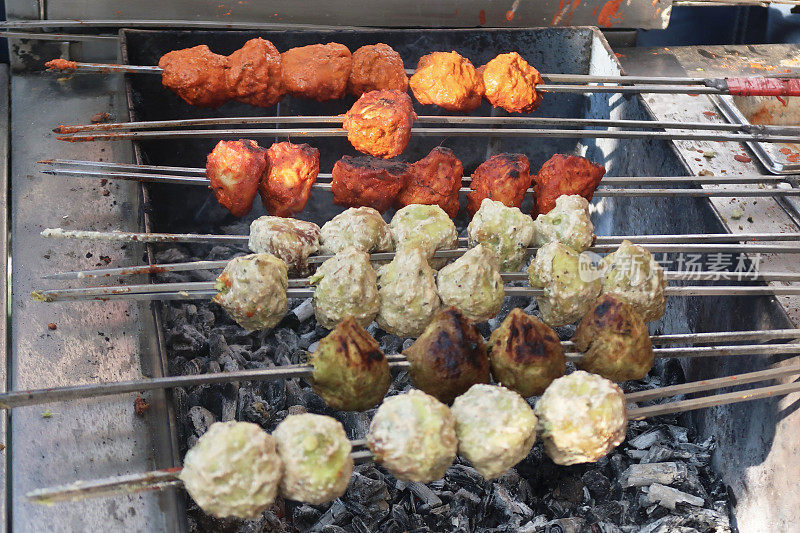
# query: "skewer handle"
763,86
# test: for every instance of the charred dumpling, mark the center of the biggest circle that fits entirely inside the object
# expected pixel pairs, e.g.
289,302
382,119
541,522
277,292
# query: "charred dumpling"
362,228
635,277
286,238
568,223
409,298
379,123
472,283
449,357
506,231
582,417
346,284
525,354
350,371
315,452
615,341
569,290
496,428
413,436
233,470
252,290
424,226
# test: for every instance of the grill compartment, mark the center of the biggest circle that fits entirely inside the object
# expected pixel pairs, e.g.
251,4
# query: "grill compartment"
745,433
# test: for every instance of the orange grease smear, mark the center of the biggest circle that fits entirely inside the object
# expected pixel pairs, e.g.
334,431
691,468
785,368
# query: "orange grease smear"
608,15
509,15
482,17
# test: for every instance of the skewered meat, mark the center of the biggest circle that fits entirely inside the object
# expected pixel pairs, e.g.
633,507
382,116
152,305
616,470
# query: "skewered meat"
233,470
291,171
582,417
408,294
633,275
496,428
413,436
346,285
564,174
318,71
252,289
506,231
286,238
197,75
472,283
568,222
426,227
234,169
568,290
254,74
350,371
615,341
502,177
434,179
316,458
449,357
525,354
368,182
510,82
362,228
379,123
448,80
377,67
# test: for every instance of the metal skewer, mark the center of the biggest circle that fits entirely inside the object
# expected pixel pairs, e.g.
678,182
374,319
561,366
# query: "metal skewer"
434,132
601,192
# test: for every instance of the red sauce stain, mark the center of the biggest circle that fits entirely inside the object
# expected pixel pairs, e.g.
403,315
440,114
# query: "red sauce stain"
509,15
566,10
794,158
609,14
742,158
482,17
619,55
781,100
61,64
785,151
709,113
594,11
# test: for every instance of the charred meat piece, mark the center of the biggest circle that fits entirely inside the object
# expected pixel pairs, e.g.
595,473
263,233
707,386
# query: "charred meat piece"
254,74
435,180
615,341
234,169
376,67
564,174
318,71
448,80
503,178
197,75
291,171
510,82
379,123
368,182
449,357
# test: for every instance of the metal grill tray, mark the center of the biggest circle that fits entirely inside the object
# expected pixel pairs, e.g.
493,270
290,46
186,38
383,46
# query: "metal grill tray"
744,432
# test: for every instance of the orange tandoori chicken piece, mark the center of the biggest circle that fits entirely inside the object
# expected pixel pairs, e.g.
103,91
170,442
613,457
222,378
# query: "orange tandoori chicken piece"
318,71
564,174
379,123
291,171
197,75
234,169
502,177
435,180
448,80
254,74
368,182
510,82
377,67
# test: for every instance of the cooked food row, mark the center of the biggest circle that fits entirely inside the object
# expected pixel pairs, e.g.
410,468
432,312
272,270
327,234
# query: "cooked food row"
258,74
237,470
285,173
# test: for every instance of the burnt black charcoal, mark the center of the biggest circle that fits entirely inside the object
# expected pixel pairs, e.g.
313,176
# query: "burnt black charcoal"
597,483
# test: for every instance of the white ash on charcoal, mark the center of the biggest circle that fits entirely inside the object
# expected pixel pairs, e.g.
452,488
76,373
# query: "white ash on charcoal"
658,480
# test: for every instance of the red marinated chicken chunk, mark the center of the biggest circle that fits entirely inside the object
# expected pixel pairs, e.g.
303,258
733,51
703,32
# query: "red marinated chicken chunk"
435,180
254,74
291,171
377,67
379,123
197,75
234,169
318,71
564,174
368,182
503,177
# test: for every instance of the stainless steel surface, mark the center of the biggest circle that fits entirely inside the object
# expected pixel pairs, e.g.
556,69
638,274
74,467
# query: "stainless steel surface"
5,134
392,13
98,437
